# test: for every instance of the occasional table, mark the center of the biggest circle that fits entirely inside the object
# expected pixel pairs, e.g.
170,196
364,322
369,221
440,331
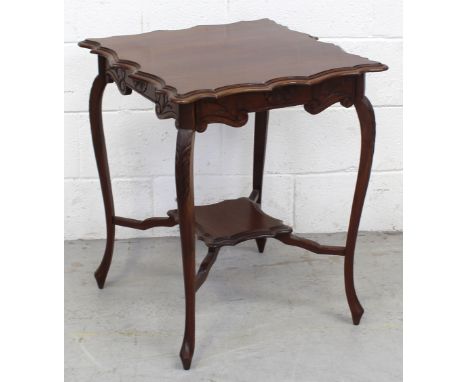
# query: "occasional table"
220,74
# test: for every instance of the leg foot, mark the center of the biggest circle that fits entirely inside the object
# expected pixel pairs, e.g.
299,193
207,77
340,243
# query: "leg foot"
101,273
100,279
261,244
354,305
357,314
186,354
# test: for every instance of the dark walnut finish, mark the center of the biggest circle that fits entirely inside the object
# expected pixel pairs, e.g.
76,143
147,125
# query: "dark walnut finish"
221,73
233,221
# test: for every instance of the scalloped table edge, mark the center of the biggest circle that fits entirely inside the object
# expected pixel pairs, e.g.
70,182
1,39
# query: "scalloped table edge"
132,69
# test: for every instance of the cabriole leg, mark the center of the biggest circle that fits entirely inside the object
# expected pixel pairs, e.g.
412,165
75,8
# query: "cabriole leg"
100,152
260,137
367,122
184,186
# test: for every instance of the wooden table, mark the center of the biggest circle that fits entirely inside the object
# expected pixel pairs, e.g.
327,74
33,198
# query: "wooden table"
221,73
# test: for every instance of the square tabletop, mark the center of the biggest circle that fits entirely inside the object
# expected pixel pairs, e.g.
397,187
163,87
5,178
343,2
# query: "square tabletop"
216,60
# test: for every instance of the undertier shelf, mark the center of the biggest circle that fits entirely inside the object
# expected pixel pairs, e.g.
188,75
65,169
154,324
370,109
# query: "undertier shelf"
232,221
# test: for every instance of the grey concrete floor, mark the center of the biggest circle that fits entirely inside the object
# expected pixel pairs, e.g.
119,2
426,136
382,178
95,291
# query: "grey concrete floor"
277,316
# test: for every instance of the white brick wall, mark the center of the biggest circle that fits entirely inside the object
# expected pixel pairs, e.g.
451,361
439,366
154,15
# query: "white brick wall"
308,182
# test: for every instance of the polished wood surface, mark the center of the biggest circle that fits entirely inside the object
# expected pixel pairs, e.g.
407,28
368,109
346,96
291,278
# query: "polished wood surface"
233,221
260,138
310,245
100,153
221,74
216,60
184,190
366,117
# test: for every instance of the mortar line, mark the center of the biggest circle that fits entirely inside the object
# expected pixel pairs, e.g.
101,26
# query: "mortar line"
361,37
294,175
106,111
119,179
292,108
354,171
73,42
294,202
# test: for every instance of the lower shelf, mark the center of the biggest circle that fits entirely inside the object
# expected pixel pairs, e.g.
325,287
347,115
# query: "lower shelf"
232,221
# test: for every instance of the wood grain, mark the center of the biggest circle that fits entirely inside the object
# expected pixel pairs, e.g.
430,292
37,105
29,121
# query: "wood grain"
217,60
232,221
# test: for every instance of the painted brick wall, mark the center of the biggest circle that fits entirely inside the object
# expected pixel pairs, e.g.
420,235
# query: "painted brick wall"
308,182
